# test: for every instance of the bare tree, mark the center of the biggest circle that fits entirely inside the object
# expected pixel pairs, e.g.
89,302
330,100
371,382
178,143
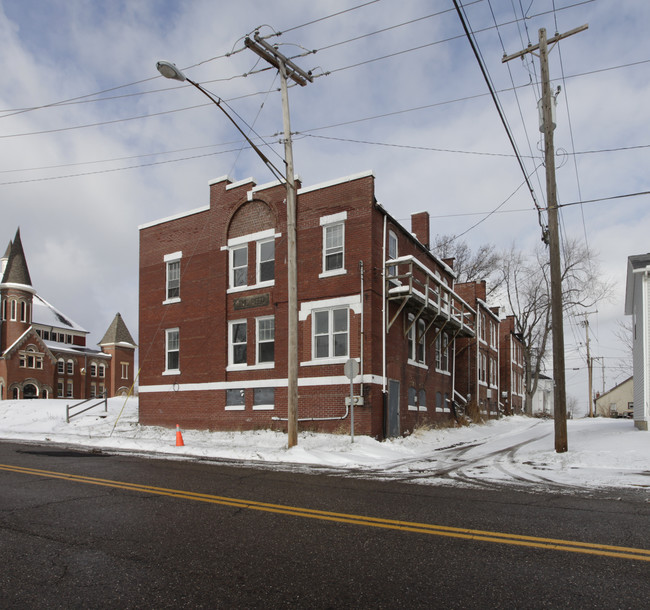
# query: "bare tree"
526,287
624,332
471,265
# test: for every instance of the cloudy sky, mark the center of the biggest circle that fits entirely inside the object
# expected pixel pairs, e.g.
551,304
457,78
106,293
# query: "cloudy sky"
94,143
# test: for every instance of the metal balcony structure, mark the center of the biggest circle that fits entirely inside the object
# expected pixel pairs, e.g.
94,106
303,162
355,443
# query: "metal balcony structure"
418,290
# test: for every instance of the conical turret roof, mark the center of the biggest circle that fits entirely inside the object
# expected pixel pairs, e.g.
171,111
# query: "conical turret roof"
16,271
117,333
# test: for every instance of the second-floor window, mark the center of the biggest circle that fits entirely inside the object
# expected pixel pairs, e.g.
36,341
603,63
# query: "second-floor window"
416,340
237,344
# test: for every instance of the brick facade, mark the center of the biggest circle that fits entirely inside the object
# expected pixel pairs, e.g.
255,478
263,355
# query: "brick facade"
213,315
512,367
477,358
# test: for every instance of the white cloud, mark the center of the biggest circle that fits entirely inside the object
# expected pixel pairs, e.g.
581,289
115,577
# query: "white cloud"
53,52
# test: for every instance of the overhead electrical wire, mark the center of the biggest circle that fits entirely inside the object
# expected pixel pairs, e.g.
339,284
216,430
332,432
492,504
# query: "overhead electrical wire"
514,89
499,109
86,98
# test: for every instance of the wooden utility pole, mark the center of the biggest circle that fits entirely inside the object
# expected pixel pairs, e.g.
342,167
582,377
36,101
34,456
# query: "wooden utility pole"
589,369
557,323
287,69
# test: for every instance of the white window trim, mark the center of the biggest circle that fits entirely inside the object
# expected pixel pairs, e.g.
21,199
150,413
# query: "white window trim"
268,364
445,353
263,407
231,352
330,334
258,260
326,222
231,268
167,333
238,242
171,258
414,338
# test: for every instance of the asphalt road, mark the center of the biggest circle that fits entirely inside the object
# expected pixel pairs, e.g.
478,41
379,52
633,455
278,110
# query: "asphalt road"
81,530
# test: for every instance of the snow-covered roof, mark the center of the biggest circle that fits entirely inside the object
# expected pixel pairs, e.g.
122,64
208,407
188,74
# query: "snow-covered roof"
45,314
77,350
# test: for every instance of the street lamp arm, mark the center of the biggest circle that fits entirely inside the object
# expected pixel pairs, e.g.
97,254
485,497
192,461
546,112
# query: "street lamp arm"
169,70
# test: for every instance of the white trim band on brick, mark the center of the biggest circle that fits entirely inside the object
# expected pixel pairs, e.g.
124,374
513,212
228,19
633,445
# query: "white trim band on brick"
304,382
161,221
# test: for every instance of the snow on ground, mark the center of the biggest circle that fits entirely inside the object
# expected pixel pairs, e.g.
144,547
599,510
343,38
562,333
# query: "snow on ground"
603,453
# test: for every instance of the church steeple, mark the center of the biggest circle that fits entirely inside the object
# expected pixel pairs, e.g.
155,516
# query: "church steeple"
16,294
16,270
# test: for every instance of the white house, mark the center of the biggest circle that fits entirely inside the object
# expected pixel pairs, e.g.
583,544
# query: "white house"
637,305
617,401
543,397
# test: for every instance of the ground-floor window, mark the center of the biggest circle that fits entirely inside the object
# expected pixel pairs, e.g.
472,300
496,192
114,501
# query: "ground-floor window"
264,398
235,400
330,333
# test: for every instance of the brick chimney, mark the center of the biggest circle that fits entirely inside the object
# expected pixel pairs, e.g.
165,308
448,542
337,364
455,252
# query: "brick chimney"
420,226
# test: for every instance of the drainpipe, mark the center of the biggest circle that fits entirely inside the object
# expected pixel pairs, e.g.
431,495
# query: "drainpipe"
362,328
383,311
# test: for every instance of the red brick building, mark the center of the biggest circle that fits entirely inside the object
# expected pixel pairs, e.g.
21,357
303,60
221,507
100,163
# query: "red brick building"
213,313
477,358
43,353
511,350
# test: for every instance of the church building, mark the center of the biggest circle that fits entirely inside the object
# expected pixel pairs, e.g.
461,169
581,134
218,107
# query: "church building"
43,353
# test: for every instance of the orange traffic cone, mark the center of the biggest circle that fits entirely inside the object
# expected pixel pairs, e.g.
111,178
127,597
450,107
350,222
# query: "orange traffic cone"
179,437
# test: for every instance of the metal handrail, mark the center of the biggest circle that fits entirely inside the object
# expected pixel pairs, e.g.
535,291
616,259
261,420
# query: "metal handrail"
104,400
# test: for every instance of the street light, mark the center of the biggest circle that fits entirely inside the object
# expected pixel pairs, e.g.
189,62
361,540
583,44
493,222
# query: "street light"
169,70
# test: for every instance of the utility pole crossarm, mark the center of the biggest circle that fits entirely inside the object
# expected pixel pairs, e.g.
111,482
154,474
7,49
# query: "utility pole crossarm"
270,54
550,41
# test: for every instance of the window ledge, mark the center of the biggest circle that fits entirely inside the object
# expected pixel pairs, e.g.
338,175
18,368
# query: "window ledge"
236,408
325,361
250,287
418,364
170,301
443,372
412,408
263,407
332,273
253,367
172,372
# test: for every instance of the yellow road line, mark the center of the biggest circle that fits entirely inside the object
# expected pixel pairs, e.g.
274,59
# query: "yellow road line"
406,526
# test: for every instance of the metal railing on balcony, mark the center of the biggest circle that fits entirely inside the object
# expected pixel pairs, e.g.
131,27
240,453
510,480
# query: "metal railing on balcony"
410,283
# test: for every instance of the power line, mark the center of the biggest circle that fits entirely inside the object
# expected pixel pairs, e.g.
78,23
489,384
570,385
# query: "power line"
498,106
